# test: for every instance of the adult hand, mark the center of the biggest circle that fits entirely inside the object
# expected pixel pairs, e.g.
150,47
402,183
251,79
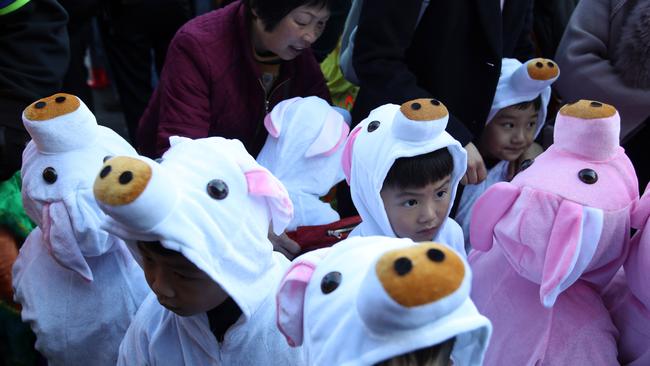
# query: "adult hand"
283,244
476,171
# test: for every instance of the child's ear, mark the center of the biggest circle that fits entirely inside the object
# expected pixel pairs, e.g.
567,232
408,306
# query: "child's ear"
274,120
262,183
330,137
346,158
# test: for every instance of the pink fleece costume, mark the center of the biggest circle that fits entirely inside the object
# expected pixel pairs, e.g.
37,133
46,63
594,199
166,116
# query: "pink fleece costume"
630,300
549,241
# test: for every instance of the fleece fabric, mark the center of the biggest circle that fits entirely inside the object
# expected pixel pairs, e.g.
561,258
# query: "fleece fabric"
336,302
549,242
370,153
78,285
210,201
303,150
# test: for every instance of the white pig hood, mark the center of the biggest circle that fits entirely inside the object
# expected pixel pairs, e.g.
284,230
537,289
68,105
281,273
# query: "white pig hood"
303,150
386,135
208,200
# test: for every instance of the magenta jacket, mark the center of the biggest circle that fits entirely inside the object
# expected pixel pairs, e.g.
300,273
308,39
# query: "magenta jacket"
211,86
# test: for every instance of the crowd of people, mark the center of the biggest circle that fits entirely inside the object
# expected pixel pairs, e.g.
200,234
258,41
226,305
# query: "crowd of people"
326,182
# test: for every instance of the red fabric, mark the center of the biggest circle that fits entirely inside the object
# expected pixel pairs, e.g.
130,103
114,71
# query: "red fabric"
210,85
321,236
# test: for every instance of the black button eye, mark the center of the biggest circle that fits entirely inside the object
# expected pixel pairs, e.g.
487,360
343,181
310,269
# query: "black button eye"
588,176
402,266
106,158
330,282
49,175
436,255
217,189
526,164
373,125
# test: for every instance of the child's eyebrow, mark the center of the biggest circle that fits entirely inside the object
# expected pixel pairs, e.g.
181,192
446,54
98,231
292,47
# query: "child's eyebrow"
443,183
408,193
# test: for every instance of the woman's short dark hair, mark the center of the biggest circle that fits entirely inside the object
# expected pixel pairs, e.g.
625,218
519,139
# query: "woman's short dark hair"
271,12
420,170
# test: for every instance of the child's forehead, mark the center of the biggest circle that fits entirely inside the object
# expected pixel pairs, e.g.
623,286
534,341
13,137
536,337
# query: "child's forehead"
430,186
166,257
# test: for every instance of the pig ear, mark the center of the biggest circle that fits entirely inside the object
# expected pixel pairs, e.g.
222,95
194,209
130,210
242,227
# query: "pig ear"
346,158
331,136
641,210
488,211
262,183
275,119
290,299
571,247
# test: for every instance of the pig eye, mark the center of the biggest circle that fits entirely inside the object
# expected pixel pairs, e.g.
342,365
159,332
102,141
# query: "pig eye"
217,189
588,176
373,125
330,282
49,175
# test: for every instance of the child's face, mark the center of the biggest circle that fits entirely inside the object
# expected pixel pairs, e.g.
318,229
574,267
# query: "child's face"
179,285
509,134
417,213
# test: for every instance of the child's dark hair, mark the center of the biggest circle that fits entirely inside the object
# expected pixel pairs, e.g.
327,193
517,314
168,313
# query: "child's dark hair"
438,355
157,248
536,103
272,12
420,170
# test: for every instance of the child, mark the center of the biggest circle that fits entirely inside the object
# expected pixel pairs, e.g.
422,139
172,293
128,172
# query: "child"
403,170
198,222
303,150
517,116
387,301
78,286
548,242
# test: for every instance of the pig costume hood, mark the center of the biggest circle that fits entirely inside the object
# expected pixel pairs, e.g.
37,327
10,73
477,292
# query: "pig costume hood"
78,285
518,83
303,150
560,231
369,299
210,201
386,135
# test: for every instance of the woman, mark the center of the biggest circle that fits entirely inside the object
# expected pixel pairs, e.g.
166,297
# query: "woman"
226,69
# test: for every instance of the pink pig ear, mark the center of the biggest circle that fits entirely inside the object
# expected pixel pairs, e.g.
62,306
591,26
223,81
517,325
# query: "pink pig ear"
571,247
274,120
488,211
346,158
331,136
290,301
262,183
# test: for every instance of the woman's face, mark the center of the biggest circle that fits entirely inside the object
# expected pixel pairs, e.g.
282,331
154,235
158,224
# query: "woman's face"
293,34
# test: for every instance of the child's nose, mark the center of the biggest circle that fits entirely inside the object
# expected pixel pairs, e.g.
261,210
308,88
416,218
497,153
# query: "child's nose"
519,135
428,213
161,285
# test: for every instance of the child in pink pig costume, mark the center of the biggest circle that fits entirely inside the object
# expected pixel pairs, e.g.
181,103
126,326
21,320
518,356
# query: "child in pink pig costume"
629,296
549,241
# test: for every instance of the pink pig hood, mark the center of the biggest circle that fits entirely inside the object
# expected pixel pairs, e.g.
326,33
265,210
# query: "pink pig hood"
552,239
385,136
78,285
369,299
303,150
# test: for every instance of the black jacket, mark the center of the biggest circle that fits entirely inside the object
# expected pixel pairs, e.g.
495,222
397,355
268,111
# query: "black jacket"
454,55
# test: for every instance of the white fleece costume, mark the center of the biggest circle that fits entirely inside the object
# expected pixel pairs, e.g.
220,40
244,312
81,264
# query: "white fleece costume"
372,148
303,150
79,286
518,83
369,299
210,201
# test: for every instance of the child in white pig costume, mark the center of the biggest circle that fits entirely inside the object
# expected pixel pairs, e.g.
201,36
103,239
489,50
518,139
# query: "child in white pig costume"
516,117
369,300
303,150
78,285
630,300
198,222
403,169
549,242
